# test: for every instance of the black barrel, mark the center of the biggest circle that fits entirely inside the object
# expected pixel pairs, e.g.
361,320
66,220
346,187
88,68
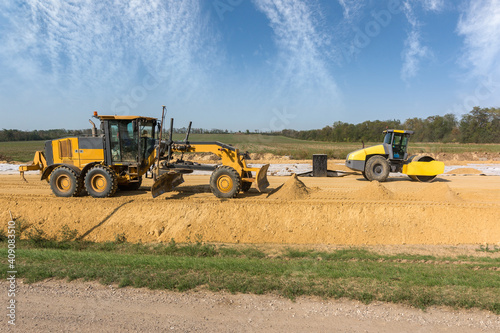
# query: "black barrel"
320,165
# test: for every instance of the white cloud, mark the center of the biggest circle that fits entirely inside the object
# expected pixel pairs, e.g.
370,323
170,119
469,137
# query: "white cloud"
433,5
414,51
352,8
480,26
303,48
96,46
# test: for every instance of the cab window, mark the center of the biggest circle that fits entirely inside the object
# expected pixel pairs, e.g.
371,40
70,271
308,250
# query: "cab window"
399,145
123,141
388,138
147,131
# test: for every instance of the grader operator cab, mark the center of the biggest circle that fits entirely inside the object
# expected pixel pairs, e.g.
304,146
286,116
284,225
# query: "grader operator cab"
376,162
129,148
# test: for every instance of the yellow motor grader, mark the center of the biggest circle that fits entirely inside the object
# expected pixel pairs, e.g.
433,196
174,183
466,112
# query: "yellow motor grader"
129,148
376,162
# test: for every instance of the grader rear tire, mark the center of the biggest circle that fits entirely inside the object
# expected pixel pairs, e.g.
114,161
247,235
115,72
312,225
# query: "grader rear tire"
377,168
101,181
225,182
64,182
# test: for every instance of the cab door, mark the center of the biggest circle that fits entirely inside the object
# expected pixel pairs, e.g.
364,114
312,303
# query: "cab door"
399,145
123,141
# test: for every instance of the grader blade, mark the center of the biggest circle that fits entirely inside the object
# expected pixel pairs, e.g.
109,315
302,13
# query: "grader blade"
166,183
261,182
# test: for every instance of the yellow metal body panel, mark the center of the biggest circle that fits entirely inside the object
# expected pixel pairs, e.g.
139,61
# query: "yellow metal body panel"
230,158
360,155
397,131
67,151
90,155
431,168
149,162
124,118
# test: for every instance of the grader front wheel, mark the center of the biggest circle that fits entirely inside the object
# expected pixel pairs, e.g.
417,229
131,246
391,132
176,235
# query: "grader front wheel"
225,182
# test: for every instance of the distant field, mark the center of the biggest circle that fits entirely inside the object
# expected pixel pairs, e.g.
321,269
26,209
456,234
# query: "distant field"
23,151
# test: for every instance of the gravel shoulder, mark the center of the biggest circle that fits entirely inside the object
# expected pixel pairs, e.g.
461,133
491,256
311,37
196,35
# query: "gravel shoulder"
56,305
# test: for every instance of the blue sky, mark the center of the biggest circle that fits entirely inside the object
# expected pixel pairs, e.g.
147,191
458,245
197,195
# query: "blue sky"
246,64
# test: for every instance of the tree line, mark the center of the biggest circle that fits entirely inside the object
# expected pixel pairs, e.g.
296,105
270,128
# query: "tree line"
481,125
17,135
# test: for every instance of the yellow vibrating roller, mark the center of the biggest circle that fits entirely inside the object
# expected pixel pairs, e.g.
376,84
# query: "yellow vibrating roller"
376,162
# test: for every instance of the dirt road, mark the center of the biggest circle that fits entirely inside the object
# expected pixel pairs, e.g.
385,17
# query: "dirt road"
55,306
344,211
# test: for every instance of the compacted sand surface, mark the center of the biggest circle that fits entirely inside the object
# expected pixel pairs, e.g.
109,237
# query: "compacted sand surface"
305,210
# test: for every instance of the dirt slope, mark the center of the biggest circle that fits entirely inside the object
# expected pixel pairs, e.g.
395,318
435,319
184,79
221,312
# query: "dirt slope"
349,210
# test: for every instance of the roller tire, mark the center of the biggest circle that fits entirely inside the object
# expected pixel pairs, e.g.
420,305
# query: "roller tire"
65,182
377,168
101,181
423,179
225,182
132,186
245,186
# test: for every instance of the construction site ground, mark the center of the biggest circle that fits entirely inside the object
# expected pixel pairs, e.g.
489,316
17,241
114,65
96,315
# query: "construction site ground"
452,210
451,216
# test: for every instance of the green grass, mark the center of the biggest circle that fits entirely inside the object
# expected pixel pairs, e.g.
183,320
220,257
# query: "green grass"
24,151
419,281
